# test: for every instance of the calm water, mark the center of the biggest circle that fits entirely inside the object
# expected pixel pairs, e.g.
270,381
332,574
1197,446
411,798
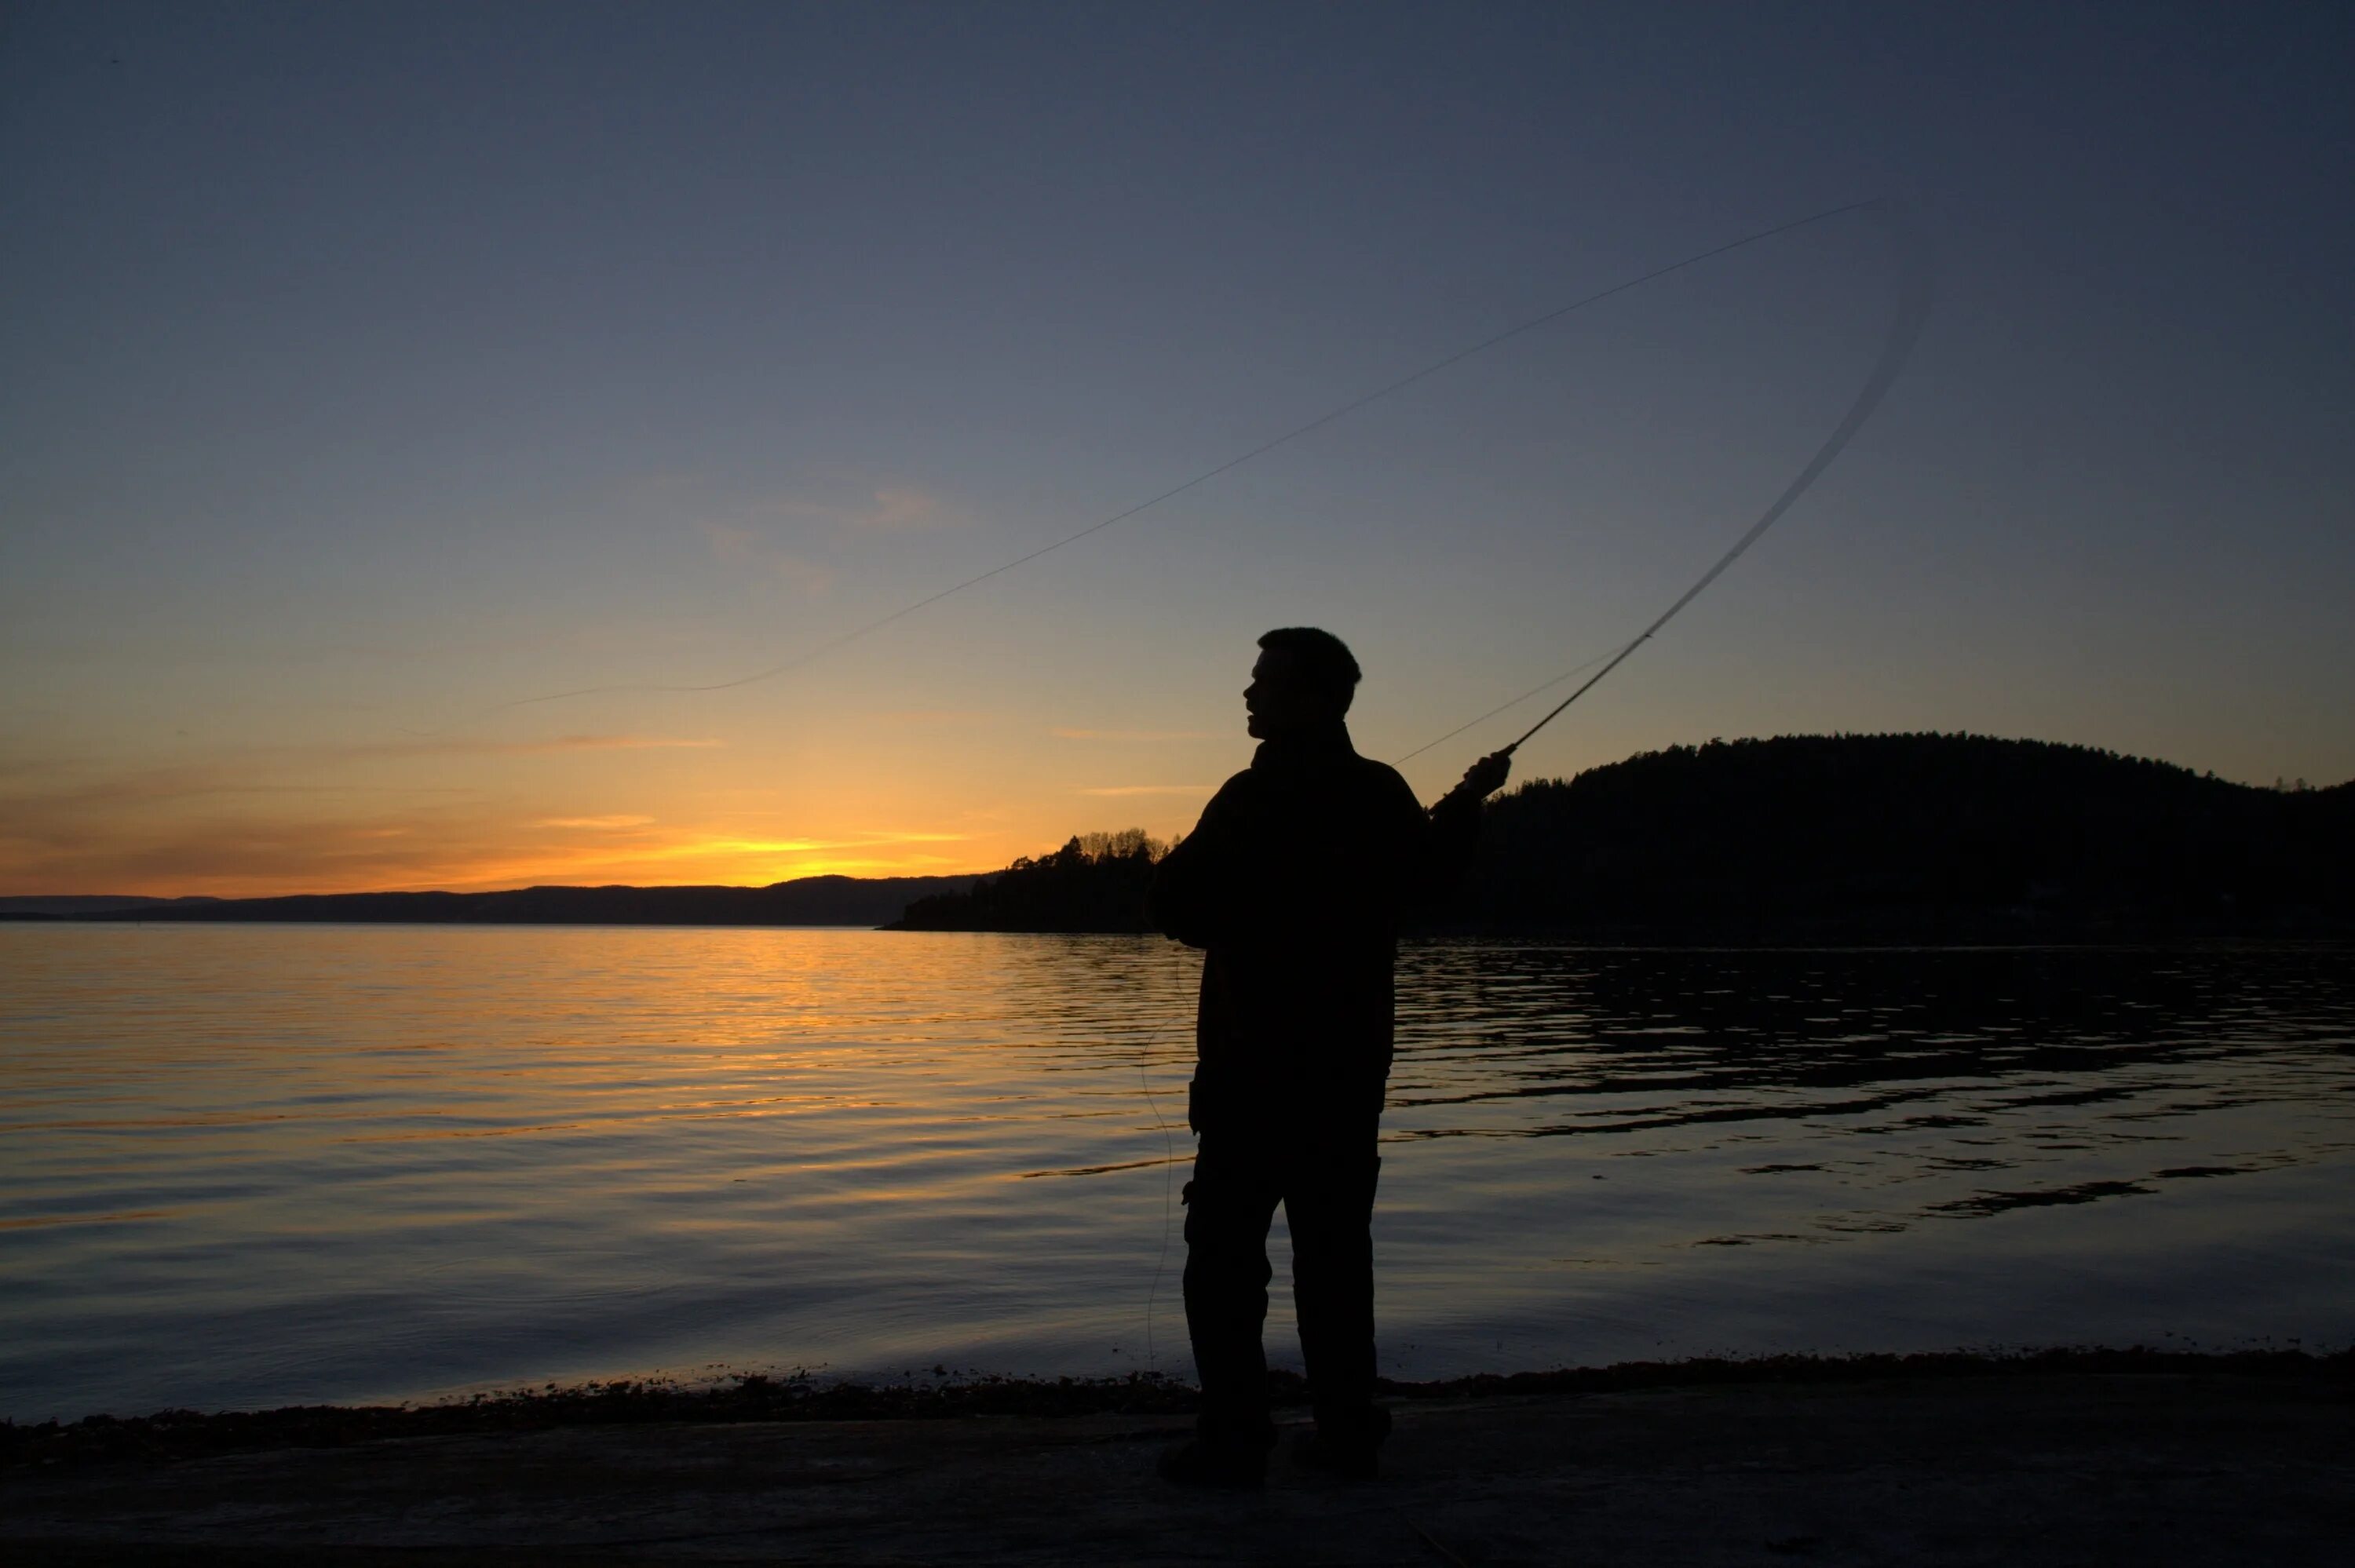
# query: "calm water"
255,1165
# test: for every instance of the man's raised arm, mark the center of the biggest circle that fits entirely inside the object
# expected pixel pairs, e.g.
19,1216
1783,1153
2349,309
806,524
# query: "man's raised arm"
1455,833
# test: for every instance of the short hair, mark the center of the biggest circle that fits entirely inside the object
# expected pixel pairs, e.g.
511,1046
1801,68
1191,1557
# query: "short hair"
1323,659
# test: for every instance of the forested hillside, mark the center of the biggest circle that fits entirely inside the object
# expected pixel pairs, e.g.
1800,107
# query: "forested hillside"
1957,837
1846,838
1096,882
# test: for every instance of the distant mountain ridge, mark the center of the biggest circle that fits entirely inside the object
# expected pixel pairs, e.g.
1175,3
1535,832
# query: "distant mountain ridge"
804,901
67,906
1844,838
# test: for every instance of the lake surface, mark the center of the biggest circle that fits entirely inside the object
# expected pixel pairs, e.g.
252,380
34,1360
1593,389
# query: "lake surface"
255,1165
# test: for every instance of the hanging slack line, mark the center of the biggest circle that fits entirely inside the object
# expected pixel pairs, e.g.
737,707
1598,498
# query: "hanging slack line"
1913,301
1914,296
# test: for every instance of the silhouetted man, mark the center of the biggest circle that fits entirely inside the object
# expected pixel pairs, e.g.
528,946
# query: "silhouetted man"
1295,884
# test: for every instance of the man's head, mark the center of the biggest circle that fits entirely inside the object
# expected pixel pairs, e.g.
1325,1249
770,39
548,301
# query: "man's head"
1304,680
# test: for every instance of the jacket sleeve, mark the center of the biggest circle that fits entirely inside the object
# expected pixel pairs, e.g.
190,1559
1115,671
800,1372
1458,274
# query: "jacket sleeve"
1195,890
1448,838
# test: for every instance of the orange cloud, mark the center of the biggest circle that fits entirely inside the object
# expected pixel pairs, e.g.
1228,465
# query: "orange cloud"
460,847
337,818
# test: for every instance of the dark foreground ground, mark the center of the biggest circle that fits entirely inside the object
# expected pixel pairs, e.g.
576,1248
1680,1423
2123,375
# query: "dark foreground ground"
2057,1461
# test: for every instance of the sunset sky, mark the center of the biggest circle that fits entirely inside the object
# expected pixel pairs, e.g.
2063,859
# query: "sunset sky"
371,369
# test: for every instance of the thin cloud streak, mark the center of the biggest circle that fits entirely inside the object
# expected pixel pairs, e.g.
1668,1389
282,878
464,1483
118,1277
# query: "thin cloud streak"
1150,789
738,546
800,544
887,508
1135,735
934,716
68,790
460,747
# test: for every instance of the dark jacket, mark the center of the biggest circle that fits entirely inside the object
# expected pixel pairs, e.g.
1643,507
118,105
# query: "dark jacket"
1296,883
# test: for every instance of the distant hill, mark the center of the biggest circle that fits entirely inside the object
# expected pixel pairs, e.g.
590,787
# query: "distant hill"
1905,837
70,905
804,901
1873,838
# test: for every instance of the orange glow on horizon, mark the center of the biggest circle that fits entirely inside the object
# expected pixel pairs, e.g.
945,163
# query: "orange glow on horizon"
206,840
738,799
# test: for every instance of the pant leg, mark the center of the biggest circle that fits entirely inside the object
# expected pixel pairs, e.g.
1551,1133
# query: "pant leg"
1329,1203
1228,1204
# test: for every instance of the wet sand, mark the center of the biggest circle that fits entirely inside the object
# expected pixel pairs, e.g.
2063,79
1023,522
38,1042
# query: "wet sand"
2019,1467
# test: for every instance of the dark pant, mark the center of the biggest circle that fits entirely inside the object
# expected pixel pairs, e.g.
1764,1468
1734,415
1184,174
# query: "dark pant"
1323,1172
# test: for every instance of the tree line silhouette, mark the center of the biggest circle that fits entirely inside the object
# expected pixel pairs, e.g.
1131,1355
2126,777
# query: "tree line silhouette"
1919,837
1096,882
1888,838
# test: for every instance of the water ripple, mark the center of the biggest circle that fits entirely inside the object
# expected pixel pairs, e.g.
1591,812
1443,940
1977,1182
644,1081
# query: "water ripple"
256,1165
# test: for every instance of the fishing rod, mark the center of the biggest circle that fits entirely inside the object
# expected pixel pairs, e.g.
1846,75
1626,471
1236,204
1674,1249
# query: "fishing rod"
1914,292
1877,205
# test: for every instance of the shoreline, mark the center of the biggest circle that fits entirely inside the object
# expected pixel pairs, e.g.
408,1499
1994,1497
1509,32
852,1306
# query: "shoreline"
177,1434
1862,935
2034,1460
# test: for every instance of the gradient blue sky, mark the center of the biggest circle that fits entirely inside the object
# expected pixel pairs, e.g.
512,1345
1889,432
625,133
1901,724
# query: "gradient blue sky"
370,366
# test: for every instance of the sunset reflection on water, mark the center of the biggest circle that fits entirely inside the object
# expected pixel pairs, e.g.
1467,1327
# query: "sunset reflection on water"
256,1165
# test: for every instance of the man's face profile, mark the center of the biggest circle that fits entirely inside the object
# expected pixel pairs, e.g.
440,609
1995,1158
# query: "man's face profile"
1278,701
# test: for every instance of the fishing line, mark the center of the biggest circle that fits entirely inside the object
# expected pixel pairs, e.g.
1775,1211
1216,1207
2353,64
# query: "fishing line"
1168,1184
1914,296
1293,434
1509,702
